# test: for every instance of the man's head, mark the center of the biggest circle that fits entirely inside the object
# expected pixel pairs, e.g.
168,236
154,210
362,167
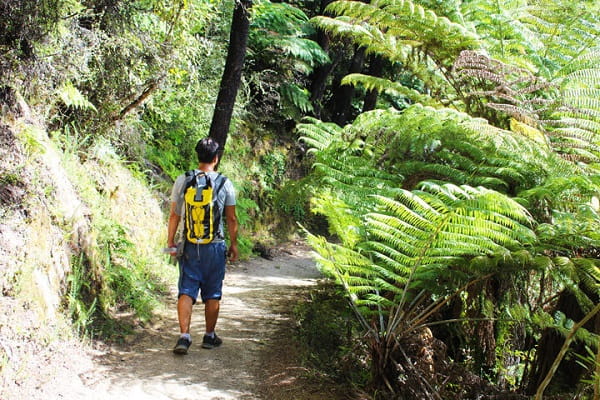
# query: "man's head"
207,149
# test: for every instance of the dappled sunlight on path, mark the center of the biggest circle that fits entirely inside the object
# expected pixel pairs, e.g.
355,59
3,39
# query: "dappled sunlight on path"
254,291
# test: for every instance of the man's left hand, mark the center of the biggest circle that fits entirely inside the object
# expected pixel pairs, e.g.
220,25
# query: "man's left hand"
232,253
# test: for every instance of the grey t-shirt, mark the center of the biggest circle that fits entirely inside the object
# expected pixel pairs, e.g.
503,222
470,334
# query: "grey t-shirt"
225,197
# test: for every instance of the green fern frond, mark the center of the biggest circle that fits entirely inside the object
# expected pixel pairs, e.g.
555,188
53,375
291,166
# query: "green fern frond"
588,275
402,32
386,86
304,50
297,96
385,286
280,17
359,177
583,135
72,97
566,119
585,75
410,208
405,19
581,68
343,27
280,28
316,134
391,258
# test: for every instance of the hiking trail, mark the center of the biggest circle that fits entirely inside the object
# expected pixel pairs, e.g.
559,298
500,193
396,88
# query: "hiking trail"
258,359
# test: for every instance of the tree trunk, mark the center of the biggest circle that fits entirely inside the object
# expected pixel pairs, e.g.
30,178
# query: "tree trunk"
345,93
569,371
563,351
319,77
375,69
320,74
232,74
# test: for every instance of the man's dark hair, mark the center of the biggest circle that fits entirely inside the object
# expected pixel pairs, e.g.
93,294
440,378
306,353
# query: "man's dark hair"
207,149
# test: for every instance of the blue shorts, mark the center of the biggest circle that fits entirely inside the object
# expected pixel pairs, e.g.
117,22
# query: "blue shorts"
202,269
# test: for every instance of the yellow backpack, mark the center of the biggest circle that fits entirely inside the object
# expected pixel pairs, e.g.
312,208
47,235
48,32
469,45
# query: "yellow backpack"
202,214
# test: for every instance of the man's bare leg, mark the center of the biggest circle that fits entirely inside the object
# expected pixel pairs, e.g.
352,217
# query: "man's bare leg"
184,312
211,314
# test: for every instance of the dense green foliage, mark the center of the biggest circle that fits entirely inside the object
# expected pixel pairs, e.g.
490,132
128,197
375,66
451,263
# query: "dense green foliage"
461,205
442,215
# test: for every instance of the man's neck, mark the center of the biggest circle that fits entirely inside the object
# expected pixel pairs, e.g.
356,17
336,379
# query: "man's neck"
206,167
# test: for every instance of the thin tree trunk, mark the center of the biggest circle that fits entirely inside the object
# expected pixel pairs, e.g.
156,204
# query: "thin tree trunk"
345,93
597,376
375,69
232,74
320,74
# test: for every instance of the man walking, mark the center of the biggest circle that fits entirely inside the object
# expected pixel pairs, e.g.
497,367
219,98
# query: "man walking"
202,262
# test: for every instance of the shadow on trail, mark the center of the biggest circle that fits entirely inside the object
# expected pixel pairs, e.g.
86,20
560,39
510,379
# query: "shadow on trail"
258,296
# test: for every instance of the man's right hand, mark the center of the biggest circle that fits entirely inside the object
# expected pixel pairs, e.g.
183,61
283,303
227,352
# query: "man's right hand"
172,250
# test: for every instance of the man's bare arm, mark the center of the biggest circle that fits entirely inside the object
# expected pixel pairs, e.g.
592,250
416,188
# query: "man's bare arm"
172,226
232,228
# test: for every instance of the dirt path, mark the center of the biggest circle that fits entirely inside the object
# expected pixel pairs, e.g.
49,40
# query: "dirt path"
255,356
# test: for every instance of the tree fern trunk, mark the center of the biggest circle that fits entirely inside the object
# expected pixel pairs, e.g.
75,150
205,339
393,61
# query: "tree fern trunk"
375,69
320,74
569,371
344,94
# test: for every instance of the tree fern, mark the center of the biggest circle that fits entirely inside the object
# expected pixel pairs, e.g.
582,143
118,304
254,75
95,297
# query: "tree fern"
281,27
421,240
408,236
403,32
279,43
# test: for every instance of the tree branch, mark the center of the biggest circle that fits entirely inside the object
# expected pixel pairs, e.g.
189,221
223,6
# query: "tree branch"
139,100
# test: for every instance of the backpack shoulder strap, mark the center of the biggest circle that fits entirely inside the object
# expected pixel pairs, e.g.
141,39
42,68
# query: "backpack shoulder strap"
190,179
221,184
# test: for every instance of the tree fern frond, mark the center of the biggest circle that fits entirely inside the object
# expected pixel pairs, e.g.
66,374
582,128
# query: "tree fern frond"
585,75
343,27
386,86
303,50
588,274
575,133
397,240
389,280
566,119
277,34
297,96
398,224
391,257
409,207
280,17
317,134
585,61
393,30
